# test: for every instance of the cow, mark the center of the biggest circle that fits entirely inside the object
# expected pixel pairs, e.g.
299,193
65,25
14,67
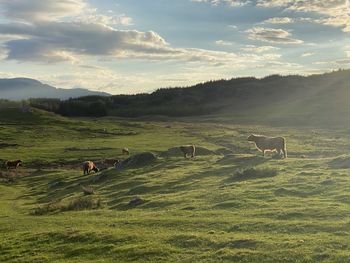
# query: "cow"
89,166
188,150
13,164
269,144
112,162
125,151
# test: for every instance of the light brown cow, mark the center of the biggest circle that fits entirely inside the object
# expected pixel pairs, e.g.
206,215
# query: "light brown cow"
89,166
111,161
188,150
269,144
125,151
13,164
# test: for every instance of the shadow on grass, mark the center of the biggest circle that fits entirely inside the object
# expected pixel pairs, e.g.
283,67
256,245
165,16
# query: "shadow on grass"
194,241
242,160
252,173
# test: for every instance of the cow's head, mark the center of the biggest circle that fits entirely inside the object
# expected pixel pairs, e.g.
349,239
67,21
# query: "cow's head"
95,169
251,138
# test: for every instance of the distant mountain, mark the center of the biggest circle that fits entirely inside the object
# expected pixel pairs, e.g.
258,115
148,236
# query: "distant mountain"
25,88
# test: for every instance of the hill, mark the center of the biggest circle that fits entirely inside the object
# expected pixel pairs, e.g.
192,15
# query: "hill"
229,206
296,100
25,88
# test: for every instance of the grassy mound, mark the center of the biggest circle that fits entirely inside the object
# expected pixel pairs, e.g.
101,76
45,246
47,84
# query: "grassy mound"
254,173
77,204
138,160
175,151
341,162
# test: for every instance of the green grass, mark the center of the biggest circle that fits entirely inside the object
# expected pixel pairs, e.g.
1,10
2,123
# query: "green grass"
237,207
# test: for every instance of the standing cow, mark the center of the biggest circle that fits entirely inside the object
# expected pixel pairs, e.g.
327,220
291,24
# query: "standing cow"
188,150
89,166
125,151
269,144
13,164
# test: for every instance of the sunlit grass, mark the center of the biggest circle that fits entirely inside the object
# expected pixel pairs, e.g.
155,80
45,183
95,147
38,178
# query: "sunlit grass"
233,206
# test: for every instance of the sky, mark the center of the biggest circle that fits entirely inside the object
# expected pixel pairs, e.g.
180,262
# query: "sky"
134,46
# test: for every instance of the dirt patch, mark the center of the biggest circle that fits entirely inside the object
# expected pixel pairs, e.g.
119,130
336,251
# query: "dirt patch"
175,151
137,160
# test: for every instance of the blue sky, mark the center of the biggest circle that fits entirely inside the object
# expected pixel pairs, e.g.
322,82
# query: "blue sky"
133,46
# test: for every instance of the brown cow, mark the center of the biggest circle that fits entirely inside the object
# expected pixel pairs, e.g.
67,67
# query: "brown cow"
188,150
89,166
111,161
269,144
13,164
125,151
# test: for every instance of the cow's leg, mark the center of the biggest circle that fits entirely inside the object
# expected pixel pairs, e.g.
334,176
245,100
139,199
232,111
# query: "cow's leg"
284,152
263,151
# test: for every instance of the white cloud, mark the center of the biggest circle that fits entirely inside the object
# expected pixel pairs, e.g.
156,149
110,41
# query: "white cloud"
52,41
39,10
335,12
258,49
308,54
279,20
233,3
272,35
223,43
347,51
90,34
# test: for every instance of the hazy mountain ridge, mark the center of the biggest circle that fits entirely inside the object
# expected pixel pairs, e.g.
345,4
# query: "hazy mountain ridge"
25,88
302,100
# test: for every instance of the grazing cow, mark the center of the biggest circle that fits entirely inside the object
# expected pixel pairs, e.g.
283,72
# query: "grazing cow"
89,166
13,164
111,161
270,144
188,150
125,151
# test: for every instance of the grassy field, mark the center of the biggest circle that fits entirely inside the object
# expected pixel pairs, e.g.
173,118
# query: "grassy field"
230,206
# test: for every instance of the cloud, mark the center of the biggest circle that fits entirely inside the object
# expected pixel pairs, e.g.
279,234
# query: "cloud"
52,41
233,3
223,43
272,35
258,49
61,38
338,62
38,10
335,12
279,20
347,51
308,54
